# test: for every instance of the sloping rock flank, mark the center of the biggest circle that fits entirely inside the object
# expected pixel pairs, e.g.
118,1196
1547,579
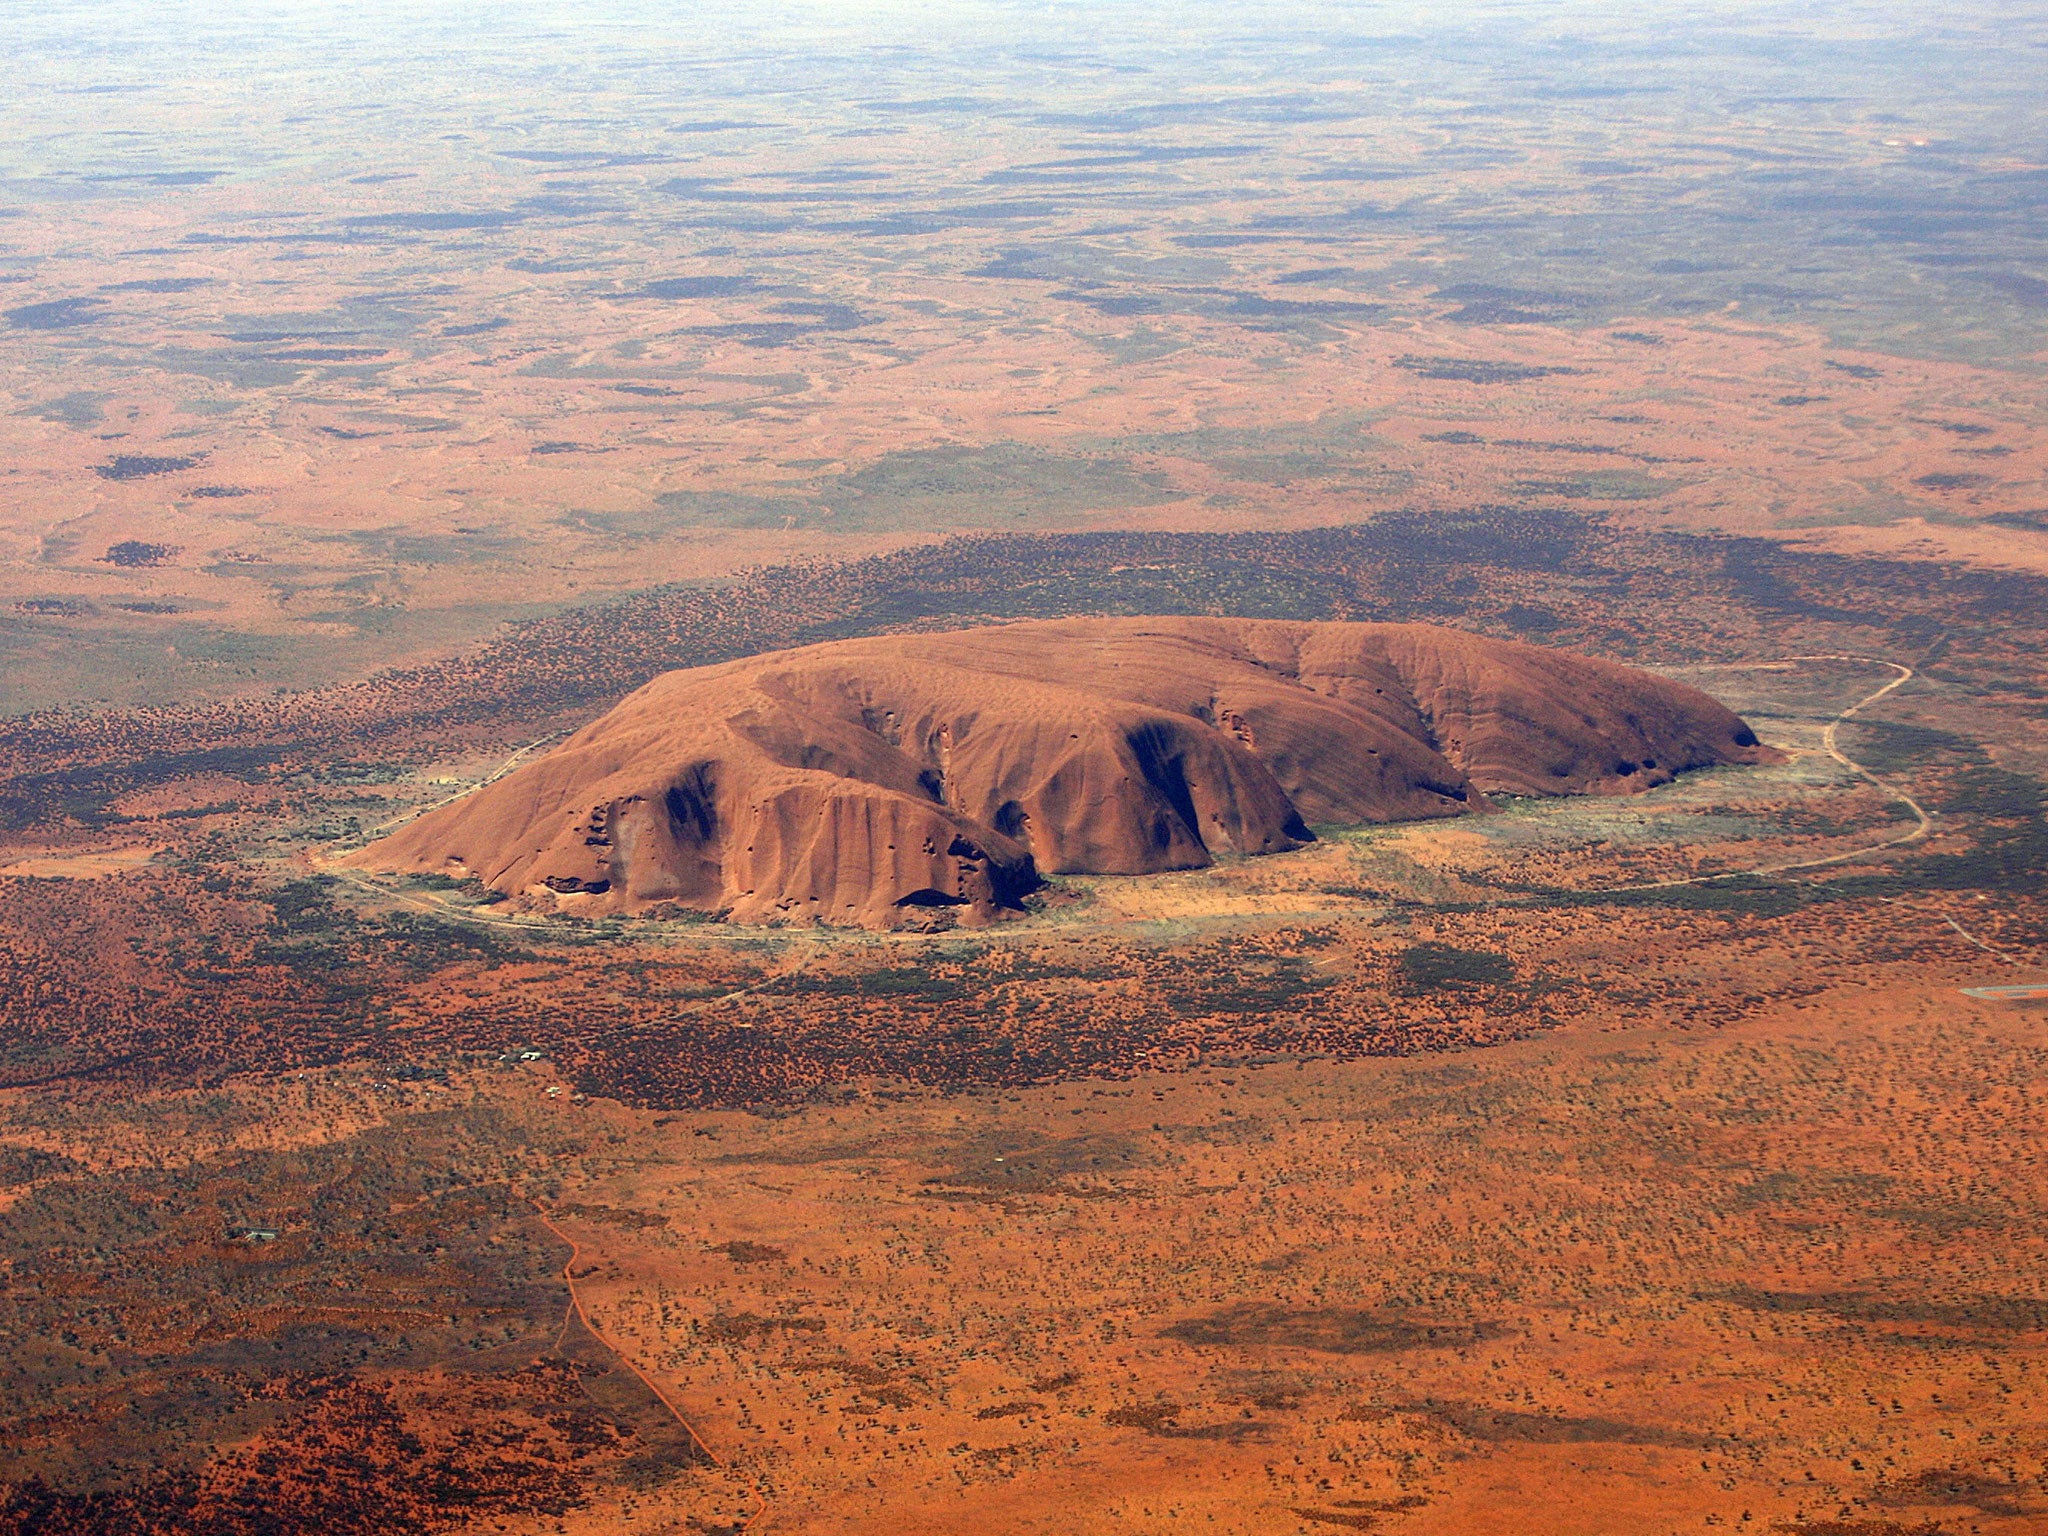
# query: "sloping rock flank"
857,781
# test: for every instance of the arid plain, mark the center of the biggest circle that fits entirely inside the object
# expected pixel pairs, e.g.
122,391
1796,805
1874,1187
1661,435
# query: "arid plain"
291,399
388,402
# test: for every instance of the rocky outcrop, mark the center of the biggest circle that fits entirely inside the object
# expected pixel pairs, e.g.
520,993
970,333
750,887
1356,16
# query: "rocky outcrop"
858,781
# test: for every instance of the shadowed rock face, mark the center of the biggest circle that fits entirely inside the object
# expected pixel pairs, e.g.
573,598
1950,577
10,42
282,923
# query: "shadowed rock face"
858,781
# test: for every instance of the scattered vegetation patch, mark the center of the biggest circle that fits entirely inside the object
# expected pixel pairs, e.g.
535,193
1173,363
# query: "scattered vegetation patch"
1014,1409
1953,1485
891,982
1503,1426
130,554
2033,522
1022,1167
1435,967
1975,1313
1473,370
1993,792
739,1327
1350,1520
1333,1330
1153,1418
1733,896
1617,485
741,1251
1255,984
139,466
704,286
2010,858
54,314
615,1216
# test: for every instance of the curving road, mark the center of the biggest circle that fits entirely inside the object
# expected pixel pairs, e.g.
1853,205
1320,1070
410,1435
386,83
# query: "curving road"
1923,824
1830,741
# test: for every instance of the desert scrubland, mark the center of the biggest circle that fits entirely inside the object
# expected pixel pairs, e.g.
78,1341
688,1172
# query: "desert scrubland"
384,400
300,382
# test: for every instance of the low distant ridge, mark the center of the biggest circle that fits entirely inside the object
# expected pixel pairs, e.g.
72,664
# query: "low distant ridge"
868,781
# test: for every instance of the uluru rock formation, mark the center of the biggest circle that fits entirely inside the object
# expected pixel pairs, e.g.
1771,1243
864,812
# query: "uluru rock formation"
855,781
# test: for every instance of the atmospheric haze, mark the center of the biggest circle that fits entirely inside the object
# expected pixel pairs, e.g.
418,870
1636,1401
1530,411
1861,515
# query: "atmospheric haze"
1094,767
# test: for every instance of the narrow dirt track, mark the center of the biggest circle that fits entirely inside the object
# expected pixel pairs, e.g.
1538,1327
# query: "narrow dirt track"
1923,824
1830,741
576,1309
492,777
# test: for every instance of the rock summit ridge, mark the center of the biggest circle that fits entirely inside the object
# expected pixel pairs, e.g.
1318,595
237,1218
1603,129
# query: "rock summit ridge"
860,781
